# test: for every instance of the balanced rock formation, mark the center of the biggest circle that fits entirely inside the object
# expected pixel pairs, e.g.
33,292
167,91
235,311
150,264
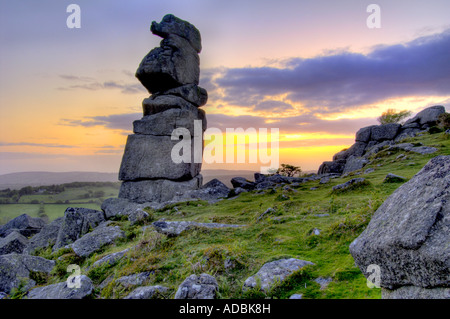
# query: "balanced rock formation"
371,139
170,73
408,236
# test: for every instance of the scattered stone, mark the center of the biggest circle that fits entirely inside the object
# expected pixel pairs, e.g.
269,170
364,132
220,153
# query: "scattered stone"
392,178
323,282
266,212
172,229
408,235
24,224
324,180
322,215
137,216
148,292
80,287
13,243
369,170
134,280
274,272
17,267
45,238
296,296
95,240
350,183
203,286
424,150
313,188
316,232
111,259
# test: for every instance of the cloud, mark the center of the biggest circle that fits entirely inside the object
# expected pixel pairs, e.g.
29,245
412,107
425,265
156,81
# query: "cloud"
37,144
114,121
344,80
88,83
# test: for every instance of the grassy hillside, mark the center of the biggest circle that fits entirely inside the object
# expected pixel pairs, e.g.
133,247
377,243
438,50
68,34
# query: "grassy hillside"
286,232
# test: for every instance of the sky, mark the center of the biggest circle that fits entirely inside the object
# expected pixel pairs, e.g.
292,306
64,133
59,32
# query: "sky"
313,69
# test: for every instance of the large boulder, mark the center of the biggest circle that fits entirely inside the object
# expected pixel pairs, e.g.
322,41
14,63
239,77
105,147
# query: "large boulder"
13,243
408,235
166,122
174,63
115,207
203,286
95,240
15,268
161,165
173,25
273,273
190,92
23,224
354,163
332,167
385,132
80,287
77,222
429,116
242,182
46,237
364,134
134,280
157,190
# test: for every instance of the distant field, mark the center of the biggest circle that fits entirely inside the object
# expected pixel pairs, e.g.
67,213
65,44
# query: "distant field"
53,211
42,201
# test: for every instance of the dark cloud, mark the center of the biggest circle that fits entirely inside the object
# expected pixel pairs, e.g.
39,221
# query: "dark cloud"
345,80
273,106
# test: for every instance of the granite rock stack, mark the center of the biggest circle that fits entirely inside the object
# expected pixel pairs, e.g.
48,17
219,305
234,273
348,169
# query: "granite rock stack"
170,73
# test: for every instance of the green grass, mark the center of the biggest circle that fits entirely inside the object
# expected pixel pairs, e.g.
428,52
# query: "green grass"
284,233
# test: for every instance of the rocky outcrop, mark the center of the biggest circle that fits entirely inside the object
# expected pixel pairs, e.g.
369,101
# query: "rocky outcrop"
408,235
273,273
171,74
371,139
203,286
16,268
23,224
80,287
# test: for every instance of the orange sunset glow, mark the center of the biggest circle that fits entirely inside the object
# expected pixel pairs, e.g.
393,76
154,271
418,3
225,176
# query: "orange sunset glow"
312,69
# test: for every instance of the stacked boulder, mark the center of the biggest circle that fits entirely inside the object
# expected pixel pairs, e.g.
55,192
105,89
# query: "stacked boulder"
371,139
170,73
